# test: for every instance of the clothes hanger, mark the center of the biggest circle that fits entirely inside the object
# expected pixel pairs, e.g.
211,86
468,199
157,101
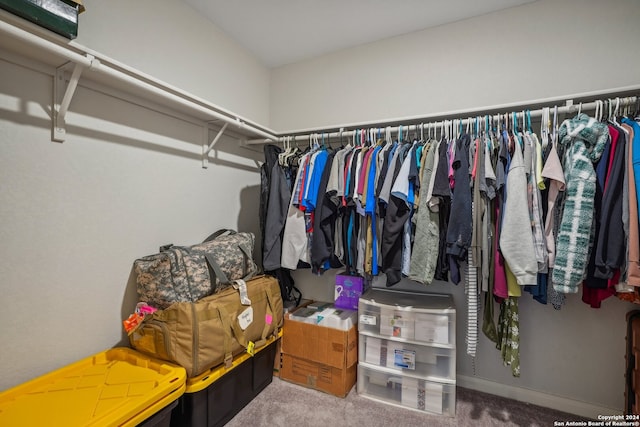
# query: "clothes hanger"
544,127
625,109
486,130
286,145
601,110
628,102
615,112
555,127
290,152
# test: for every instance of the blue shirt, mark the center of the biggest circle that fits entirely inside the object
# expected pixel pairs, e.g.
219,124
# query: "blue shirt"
313,184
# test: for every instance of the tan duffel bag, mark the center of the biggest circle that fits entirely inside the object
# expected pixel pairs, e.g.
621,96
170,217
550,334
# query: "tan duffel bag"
201,335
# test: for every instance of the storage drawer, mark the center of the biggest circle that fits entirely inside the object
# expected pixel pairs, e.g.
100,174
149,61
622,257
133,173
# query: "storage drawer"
422,318
431,363
390,387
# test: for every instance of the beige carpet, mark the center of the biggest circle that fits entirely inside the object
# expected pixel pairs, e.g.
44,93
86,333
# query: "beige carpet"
286,404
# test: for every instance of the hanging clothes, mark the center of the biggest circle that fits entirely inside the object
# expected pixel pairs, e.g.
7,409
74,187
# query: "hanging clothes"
324,223
582,140
554,172
425,249
404,189
633,261
274,204
397,214
294,239
538,291
442,191
608,252
509,335
460,222
516,241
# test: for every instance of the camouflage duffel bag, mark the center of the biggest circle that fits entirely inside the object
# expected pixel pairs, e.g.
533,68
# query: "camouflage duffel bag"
189,273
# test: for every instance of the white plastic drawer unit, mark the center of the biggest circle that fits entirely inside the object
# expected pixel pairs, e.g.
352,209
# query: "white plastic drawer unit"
408,316
428,362
406,391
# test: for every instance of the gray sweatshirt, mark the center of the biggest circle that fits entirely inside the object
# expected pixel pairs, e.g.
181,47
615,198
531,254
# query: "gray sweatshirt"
516,240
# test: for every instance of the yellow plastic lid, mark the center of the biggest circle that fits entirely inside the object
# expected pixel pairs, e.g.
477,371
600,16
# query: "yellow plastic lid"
118,387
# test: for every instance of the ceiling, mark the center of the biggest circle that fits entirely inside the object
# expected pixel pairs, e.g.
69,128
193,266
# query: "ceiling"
280,32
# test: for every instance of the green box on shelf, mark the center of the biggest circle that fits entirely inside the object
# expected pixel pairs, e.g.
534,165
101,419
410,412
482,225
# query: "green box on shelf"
59,16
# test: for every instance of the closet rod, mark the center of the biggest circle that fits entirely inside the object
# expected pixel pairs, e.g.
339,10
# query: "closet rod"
127,75
464,115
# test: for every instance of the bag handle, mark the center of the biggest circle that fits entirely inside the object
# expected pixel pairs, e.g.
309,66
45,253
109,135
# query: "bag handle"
232,327
228,354
214,265
247,256
217,271
222,231
239,333
271,312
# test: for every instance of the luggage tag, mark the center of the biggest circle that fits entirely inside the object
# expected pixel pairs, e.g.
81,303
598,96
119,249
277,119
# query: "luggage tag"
245,318
241,285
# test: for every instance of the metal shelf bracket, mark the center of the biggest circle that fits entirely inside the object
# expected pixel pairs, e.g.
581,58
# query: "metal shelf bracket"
207,147
62,94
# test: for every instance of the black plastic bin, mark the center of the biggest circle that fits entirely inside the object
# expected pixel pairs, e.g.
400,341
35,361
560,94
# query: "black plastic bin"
215,397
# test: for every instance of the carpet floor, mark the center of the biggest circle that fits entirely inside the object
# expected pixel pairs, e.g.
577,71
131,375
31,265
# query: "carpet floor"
285,404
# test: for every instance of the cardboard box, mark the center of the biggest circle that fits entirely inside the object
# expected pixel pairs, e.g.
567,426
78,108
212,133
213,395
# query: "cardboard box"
318,357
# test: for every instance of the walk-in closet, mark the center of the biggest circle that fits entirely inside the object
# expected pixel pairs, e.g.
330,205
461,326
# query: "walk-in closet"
164,121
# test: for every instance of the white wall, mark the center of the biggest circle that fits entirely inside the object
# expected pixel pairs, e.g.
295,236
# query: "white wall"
75,215
543,49
169,40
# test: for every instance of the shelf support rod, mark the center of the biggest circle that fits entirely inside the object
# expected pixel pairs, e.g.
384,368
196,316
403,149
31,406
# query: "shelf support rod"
206,149
62,95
